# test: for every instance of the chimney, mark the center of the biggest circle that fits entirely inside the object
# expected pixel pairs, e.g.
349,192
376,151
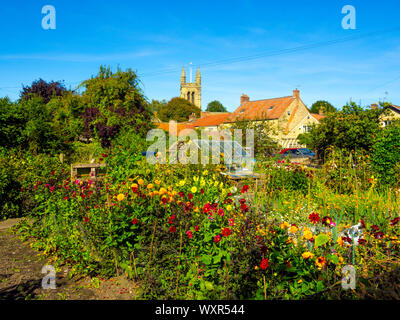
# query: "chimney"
243,99
192,117
296,94
374,106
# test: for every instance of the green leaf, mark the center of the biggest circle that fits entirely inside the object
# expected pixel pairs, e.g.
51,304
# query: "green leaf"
206,259
320,286
321,239
209,285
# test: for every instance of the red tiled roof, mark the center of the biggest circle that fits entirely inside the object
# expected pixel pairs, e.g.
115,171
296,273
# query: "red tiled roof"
261,109
211,120
318,116
179,126
396,107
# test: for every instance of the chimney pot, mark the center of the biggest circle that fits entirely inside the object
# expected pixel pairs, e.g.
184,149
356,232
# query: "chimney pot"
374,106
243,99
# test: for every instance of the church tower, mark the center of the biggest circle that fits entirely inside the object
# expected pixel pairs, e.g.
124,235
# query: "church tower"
191,91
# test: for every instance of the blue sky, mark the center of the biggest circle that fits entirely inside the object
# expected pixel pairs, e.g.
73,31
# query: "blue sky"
156,38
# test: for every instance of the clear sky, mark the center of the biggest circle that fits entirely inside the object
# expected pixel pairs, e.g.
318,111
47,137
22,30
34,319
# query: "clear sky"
157,38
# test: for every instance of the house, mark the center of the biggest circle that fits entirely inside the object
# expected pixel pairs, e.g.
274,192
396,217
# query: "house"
288,116
392,113
211,120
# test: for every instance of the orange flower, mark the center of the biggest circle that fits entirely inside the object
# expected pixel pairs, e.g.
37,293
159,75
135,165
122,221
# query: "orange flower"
320,262
150,186
140,182
120,197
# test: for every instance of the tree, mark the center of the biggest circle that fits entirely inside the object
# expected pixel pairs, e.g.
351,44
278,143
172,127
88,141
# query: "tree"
178,109
215,106
43,89
352,128
114,100
324,105
12,123
156,105
264,145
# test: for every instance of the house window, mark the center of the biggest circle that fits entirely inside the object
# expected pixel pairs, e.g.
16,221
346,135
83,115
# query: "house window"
288,113
271,107
306,128
387,123
242,110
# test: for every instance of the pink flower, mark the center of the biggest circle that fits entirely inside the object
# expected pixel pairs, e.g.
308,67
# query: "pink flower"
231,222
189,234
221,212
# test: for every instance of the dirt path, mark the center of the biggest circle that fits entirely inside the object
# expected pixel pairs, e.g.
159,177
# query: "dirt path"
21,276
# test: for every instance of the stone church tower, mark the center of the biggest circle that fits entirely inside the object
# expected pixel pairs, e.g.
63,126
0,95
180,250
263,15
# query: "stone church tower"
191,91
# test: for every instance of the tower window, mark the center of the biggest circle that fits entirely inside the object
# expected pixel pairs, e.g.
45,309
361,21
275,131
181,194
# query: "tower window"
188,96
193,97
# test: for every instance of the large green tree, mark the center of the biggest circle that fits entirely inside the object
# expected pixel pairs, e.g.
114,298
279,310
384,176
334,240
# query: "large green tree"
178,109
215,106
12,123
352,128
324,105
114,100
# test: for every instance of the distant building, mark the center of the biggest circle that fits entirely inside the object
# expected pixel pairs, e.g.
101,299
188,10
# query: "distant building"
289,116
191,91
392,113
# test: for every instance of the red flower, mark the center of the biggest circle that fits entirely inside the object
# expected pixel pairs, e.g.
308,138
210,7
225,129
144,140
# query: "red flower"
362,223
264,264
394,221
243,207
171,219
172,229
134,221
189,234
52,173
196,228
221,212
181,194
190,196
164,200
86,219
101,159
374,228
202,191
65,198
379,235
362,241
314,217
245,188
226,232
217,238
104,155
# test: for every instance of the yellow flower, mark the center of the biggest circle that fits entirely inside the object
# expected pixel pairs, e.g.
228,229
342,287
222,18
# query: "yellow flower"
140,182
320,262
229,207
256,268
196,209
193,190
120,197
216,184
150,186
293,229
195,178
285,225
300,281
205,172
182,183
340,241
307,255
162,191
157,182
307,234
